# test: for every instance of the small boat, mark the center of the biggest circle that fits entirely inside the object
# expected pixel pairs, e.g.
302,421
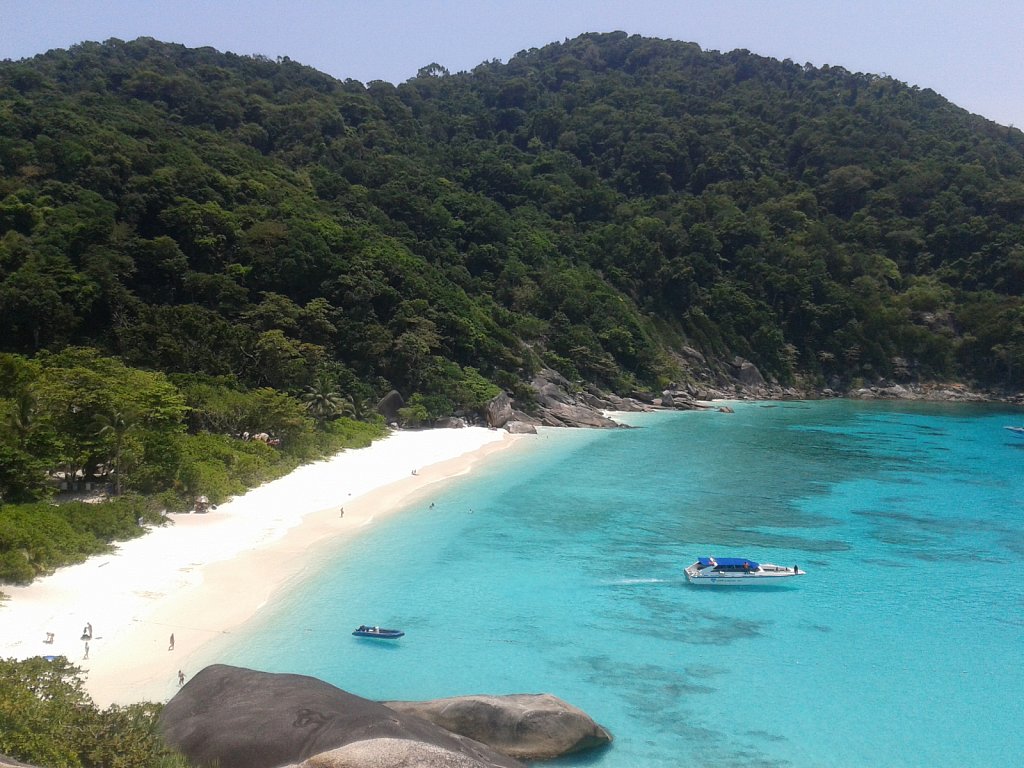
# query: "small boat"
1017,431
738,571
378,632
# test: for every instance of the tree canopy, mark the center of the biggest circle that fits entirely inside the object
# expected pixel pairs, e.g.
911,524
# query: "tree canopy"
593,204
199,243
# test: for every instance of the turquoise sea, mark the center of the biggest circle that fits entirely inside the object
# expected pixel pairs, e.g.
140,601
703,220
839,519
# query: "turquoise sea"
557,567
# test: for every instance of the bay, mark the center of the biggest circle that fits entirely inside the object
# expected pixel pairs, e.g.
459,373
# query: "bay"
557,567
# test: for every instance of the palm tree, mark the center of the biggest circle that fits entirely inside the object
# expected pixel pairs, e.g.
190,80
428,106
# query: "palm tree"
323,401
361,407
117,423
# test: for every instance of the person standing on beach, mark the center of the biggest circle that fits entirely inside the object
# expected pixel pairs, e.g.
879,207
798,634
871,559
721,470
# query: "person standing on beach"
170,646
181,678
86,650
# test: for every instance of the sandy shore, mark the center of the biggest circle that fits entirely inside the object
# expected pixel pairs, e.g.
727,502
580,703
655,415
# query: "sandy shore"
204,575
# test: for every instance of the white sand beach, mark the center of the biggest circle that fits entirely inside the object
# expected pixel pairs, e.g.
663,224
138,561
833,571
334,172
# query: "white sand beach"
204,574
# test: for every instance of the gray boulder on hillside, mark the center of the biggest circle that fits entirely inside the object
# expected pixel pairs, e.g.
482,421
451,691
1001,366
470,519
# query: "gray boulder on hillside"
746,373
239,718
526,726
389,405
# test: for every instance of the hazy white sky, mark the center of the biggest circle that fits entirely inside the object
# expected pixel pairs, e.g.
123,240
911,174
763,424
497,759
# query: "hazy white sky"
970,51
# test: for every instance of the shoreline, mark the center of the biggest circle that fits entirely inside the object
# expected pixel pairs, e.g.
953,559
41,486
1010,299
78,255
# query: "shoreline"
203,575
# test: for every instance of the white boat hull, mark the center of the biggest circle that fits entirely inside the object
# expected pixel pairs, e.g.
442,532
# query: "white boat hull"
767,574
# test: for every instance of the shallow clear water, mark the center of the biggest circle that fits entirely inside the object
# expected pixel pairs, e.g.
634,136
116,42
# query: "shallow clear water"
558,568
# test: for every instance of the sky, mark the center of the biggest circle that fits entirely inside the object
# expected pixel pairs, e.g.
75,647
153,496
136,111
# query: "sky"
970,51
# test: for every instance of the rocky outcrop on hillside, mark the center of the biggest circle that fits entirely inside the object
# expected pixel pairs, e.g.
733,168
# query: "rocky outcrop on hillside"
559,403
240,718
941,392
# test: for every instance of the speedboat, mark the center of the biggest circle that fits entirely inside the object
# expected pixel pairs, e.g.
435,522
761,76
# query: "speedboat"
378,632
736,571
1017,431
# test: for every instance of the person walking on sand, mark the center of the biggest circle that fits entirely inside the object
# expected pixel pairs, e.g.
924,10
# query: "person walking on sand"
170,646
181,678
86,650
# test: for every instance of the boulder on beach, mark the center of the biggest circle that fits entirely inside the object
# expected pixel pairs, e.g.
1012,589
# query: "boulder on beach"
240,718
499,410
450,422
520,428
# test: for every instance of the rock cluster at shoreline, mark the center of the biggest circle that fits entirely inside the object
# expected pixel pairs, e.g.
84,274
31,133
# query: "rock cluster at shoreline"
556,402
240,718
559,403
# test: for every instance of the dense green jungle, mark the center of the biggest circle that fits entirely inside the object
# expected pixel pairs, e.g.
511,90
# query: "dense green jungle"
196,244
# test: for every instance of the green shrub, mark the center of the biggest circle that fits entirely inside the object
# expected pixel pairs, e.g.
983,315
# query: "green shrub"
45,536
15,567
47,719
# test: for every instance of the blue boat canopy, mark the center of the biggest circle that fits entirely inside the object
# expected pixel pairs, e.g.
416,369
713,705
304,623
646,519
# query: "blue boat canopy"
735,562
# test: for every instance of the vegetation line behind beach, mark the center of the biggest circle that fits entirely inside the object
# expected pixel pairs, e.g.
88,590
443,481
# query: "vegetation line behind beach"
145,442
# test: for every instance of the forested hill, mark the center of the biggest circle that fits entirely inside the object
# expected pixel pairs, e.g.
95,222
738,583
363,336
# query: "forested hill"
597,206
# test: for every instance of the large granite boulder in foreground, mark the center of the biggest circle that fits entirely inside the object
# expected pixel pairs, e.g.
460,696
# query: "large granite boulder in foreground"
527,726
389,753
238,718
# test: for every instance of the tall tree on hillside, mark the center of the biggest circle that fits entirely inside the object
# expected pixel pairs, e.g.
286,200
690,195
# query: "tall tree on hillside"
22,417
117,424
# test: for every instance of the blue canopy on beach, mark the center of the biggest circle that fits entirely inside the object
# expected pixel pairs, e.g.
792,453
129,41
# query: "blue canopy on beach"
737,562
